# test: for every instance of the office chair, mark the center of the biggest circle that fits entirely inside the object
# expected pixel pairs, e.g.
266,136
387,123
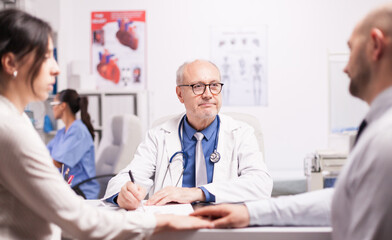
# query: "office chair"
253,122
116,149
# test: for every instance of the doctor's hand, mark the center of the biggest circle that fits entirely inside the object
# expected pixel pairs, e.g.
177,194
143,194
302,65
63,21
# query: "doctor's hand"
130,196
174,222
176,194
225,215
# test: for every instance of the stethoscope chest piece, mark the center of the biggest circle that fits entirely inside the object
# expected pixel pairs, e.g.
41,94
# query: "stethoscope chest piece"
215,157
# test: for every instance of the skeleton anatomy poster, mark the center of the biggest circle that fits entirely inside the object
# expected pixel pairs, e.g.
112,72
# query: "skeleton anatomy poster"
241,55
118,49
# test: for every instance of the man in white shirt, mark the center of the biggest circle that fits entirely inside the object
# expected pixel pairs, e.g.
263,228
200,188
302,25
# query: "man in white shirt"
360,207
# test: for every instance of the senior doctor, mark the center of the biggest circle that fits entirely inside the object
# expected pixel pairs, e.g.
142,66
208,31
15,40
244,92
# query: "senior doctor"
197,156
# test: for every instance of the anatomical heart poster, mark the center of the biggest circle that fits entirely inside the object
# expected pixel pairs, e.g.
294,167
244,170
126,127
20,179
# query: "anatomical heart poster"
118,49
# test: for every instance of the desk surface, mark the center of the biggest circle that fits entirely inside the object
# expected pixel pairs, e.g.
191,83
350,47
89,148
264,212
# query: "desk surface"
252,233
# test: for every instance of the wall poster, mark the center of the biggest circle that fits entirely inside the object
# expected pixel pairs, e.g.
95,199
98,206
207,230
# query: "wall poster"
118,49
241,55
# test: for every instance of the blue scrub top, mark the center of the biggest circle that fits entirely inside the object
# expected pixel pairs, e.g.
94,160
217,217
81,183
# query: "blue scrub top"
75,149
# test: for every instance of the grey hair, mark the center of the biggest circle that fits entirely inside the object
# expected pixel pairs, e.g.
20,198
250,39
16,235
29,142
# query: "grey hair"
180,73
181,70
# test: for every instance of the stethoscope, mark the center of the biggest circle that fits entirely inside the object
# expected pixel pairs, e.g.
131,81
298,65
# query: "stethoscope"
214,157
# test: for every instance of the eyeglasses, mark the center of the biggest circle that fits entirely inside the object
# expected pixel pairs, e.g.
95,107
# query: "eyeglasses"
55,103
200,88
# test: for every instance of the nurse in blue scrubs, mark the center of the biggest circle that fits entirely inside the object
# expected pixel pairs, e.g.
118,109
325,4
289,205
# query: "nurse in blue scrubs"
73,145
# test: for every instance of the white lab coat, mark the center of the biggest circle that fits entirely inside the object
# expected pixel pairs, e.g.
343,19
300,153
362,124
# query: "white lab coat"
240,175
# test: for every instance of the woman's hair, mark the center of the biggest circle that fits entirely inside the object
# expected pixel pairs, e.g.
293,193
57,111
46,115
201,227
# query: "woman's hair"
23,34
76,103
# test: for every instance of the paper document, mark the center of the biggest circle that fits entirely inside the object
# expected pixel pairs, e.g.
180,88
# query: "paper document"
102,204
172,208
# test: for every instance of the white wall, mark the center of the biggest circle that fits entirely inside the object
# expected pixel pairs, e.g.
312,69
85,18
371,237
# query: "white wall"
300,34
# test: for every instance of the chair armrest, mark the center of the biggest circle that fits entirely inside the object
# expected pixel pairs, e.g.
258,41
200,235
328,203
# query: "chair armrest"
80,192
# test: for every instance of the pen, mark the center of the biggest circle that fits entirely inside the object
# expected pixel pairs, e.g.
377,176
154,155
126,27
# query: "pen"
133,180
70,179
131,176
66,174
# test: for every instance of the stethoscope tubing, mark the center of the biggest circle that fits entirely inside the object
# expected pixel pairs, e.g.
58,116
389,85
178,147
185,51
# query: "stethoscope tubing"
214,152
214,157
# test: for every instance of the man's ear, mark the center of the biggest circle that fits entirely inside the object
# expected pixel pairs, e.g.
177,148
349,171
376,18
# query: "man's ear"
8,62
179,94
377,43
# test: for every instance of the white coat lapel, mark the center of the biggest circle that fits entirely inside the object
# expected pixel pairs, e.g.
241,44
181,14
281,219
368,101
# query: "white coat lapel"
225,140
173,145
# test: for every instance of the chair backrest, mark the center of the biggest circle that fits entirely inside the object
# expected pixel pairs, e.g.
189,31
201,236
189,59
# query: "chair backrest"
162,119
253,122
117,147
118,144
244,117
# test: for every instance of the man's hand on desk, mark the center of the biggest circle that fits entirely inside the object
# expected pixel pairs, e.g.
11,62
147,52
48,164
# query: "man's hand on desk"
176,194
225,215
130,196
175,222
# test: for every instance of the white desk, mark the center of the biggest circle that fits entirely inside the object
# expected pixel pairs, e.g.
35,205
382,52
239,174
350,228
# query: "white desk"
251,233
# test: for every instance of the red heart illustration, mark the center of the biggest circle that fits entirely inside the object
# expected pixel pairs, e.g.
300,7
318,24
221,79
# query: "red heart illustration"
126,35
108,68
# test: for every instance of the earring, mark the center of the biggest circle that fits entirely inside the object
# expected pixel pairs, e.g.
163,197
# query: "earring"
15,73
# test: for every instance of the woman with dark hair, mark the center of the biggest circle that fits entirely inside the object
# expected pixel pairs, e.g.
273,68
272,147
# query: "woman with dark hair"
72,149
34,199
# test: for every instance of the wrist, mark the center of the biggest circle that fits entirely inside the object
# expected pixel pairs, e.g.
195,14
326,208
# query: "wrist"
162,222
199,195
246,215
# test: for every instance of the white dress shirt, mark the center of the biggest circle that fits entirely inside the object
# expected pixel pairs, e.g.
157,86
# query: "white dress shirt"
362,200
362,205
307,209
